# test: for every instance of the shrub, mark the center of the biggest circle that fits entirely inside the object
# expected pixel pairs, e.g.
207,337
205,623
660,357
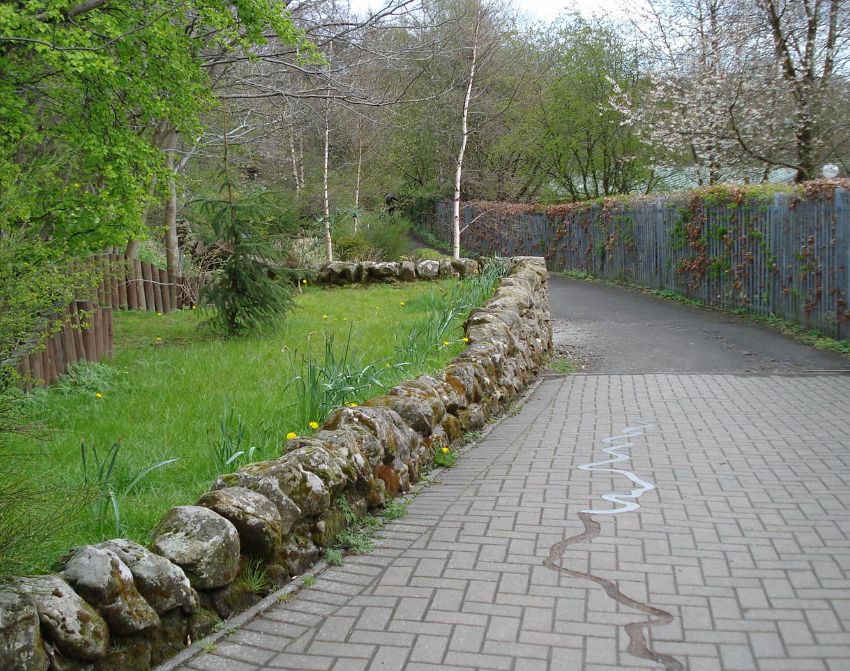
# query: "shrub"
252,287
390,235
355,247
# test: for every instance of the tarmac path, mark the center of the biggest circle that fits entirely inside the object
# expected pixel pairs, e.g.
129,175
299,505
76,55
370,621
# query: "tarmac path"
681,504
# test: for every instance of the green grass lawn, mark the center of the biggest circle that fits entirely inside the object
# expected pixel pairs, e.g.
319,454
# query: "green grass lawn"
168,387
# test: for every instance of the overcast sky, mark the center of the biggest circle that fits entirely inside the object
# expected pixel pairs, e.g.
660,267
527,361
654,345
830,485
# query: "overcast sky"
544,10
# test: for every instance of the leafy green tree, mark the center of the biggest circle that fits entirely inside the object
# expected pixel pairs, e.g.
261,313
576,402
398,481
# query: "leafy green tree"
84,86
585,147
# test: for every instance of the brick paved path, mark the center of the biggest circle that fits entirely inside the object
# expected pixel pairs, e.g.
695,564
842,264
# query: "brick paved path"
744,542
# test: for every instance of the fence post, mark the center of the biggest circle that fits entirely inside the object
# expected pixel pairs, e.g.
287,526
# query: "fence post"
77,333
842,271
114,299
85,318
147,281
101,287
25,372
108,339
58,353
139,285
166,290
37,368
68,338
123,294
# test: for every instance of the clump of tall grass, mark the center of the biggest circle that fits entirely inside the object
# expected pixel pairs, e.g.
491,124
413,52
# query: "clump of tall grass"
446,312
100,481
332,379
226,451
85,376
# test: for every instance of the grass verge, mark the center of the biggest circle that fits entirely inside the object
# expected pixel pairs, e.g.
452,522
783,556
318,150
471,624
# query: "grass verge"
174,392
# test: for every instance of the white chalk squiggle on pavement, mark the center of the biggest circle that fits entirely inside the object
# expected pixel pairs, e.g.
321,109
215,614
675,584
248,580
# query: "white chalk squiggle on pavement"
628,501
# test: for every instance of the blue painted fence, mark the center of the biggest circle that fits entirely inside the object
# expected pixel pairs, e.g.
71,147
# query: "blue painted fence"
784,254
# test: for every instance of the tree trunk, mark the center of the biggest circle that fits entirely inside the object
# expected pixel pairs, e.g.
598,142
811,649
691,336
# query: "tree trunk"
359,172
805,137
171,252
329,245
294,164
464,139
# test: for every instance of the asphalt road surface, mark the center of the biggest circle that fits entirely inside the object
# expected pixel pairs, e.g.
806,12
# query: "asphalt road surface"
619,330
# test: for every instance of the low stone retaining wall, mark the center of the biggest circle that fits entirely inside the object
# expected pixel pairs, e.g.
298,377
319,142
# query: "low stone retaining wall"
117,606
346,272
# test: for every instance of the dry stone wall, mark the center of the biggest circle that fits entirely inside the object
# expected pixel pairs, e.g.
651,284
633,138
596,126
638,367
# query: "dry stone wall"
118,606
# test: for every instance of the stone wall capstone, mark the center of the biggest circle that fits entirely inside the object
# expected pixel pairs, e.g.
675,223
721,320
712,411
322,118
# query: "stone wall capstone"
119,606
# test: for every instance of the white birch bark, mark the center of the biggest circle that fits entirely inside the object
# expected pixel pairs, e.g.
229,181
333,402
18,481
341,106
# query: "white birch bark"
329,245
464,137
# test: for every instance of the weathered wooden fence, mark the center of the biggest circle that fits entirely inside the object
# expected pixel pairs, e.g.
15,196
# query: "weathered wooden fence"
783,254
84,332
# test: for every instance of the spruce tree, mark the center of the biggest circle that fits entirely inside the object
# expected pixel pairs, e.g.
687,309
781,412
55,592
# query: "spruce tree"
251,288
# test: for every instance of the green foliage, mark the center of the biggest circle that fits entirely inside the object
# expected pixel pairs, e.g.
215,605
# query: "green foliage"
84,377
445,457
167,402
84,96
446,312
321,384
34,282
252,288
354,248
427,254
255,578
379,237
355,540
226,453
100,478
395,509
563,365
573,135
389,235
308,580
333,557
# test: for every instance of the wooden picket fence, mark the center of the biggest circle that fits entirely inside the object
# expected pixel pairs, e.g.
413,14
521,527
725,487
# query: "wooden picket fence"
84,332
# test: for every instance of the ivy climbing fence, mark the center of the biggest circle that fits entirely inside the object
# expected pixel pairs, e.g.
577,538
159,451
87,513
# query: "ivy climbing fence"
783,254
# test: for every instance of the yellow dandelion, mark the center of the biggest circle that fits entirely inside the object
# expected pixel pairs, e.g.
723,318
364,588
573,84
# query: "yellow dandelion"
194,307
159,314
401,302
291,435
445,343
445,450
97,394
304,281
324,316
352,405
466,340
314,425
158,339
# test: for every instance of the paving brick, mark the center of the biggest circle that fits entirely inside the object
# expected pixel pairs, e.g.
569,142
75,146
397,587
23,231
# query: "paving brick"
741,541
